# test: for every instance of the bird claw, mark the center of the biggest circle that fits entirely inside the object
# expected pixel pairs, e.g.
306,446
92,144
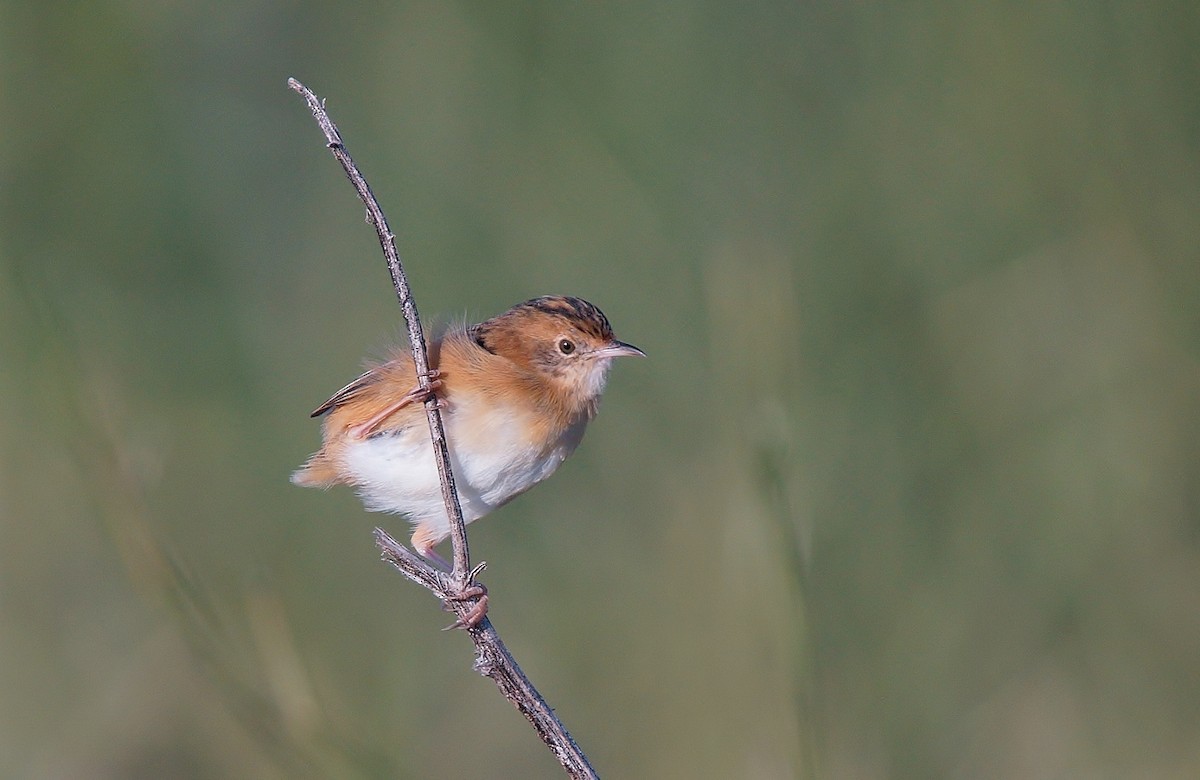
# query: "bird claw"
423,394
478,611
476,614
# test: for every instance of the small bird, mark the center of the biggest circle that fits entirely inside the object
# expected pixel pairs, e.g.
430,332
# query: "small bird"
516,393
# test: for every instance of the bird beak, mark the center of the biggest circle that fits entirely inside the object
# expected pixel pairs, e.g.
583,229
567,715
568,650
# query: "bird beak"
617,349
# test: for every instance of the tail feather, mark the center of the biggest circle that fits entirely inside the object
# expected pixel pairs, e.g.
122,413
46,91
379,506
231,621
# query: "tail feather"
318,472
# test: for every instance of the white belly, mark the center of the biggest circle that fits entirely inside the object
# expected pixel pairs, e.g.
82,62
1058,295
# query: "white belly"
395,471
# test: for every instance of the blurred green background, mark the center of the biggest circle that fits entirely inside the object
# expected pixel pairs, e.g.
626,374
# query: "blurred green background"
907,487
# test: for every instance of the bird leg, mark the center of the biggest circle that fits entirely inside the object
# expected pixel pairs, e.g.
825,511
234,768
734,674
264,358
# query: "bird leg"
438,561
474,590
417,395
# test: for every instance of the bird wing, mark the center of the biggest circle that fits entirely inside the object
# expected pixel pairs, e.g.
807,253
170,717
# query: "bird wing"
349,392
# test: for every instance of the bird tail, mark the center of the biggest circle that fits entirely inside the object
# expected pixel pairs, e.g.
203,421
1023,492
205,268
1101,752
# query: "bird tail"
318,472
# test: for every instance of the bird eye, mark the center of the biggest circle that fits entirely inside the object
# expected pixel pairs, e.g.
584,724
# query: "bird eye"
566,346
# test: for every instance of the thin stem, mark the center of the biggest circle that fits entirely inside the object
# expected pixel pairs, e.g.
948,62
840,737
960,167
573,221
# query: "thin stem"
492,658
416,336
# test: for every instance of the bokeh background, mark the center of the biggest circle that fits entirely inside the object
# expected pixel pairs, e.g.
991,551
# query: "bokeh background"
906,489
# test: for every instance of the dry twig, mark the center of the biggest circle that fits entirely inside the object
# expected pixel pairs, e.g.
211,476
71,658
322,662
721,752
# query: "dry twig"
492,658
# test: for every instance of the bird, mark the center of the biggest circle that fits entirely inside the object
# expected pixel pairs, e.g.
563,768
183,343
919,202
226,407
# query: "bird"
516,392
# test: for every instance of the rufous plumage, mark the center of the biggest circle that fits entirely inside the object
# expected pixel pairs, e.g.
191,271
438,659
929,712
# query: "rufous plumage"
516,393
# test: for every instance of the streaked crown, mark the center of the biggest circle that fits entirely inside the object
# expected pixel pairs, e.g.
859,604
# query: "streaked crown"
566,340
539,315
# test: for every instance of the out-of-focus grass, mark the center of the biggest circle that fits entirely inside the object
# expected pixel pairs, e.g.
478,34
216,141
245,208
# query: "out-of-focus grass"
907,487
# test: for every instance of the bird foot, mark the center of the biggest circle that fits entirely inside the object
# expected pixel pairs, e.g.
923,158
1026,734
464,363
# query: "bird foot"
478,611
